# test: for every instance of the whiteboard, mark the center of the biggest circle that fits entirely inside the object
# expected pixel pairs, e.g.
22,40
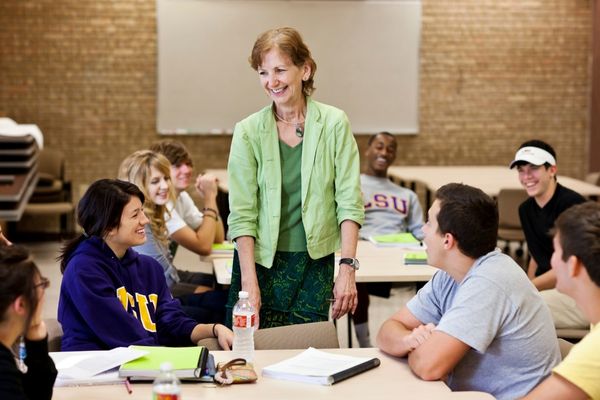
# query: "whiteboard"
367,55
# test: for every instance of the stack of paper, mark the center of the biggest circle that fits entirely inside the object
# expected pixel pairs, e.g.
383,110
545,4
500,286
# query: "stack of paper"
97,367
319,367
405,239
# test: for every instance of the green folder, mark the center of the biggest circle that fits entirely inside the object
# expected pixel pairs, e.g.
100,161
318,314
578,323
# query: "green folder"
187,362
223,247
415,257
396,239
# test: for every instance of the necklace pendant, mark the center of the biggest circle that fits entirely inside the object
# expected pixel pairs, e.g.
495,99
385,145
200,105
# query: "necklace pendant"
299,131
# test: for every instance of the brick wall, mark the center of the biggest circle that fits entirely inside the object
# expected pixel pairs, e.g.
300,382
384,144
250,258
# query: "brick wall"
493,74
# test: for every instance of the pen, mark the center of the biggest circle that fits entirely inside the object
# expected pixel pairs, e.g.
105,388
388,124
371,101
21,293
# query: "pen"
331,300
128,386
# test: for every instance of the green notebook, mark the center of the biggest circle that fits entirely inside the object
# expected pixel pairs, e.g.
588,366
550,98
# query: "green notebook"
223,247
187,362
415,258
405,239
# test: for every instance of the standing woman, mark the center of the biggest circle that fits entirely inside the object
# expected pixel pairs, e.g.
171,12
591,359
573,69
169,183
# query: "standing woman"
111,296
29,375
294,192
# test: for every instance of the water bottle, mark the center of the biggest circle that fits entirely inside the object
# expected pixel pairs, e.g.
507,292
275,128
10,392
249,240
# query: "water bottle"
244,322
166,384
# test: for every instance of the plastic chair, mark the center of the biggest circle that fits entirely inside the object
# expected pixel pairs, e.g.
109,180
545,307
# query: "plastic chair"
320,335
509,223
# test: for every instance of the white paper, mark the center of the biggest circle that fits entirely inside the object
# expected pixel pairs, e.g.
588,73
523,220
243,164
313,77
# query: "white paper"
87,364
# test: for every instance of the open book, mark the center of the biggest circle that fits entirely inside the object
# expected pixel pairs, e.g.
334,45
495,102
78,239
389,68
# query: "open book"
319,367
187,362
404,239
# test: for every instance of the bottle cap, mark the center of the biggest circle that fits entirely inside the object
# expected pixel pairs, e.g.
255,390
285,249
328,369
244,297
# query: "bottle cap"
243,294
166,366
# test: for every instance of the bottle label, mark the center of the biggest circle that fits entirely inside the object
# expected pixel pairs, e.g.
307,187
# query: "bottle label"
244,321
158,396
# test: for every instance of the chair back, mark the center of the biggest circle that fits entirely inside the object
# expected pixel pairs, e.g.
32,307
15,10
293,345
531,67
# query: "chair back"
320,335
509,201
565,347
55,334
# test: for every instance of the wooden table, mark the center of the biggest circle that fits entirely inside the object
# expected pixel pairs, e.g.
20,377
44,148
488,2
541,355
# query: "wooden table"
490,179
391,380
377,264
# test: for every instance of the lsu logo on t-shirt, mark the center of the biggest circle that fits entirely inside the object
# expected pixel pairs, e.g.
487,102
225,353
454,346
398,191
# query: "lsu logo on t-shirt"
139,302
384,201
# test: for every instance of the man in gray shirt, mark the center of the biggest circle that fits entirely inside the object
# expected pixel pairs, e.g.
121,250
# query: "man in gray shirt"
479,323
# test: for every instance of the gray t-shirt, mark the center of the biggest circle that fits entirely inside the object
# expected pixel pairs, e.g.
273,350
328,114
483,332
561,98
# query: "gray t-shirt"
498,312
389,208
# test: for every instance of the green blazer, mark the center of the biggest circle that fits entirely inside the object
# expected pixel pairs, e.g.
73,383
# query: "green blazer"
330,180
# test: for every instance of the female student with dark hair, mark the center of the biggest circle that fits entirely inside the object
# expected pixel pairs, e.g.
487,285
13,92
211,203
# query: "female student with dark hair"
112,296
31,373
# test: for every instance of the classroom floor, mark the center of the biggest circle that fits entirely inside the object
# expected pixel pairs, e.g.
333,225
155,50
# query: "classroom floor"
45,253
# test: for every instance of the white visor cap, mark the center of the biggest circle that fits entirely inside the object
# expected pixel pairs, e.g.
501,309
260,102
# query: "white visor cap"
534,156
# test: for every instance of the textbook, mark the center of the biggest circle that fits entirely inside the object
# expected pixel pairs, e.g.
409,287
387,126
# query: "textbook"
415,258
187,362
319,367
405,239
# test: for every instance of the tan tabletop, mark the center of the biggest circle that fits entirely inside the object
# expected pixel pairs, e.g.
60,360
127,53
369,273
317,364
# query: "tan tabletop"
490,179
391,380
377,264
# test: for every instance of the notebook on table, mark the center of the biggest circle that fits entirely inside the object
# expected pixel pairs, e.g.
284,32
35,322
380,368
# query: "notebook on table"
187,362
319,367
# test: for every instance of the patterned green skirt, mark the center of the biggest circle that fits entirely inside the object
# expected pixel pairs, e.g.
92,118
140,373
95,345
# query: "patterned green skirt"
295,290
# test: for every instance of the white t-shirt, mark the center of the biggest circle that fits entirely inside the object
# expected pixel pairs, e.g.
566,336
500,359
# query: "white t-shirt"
187,210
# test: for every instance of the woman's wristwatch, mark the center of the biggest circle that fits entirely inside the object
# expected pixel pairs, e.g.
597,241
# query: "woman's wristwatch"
353,262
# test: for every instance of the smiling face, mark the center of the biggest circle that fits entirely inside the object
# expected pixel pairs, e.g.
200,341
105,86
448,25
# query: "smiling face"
282,79
539,182
182,176
158,187
130,231
380,154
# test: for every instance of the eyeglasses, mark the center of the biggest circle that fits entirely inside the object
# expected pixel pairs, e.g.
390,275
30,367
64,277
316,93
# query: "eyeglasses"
44,283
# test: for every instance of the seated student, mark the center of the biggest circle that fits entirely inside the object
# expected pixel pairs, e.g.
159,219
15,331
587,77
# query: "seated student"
389,208
22,290
576,262
150,172
479,323
112,296
536,163
208,225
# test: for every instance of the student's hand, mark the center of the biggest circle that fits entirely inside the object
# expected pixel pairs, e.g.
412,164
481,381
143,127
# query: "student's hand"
344,292
224,336
207,186
418,336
